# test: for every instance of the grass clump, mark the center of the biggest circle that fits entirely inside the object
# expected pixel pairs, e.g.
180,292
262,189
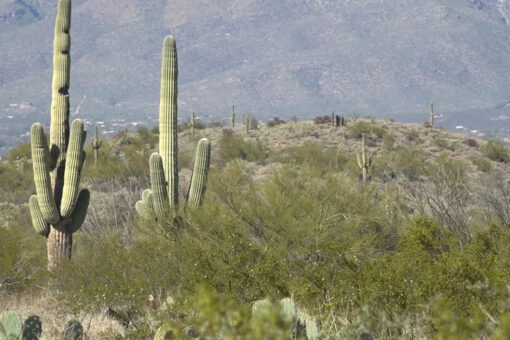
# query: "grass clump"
496,151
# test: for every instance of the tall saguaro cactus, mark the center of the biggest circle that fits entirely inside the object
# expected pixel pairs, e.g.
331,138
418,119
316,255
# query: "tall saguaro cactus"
192,125
163,196
364,161
233,117
59,208
431,113
96,144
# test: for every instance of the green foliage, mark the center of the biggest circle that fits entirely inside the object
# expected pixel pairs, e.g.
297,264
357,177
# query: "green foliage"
311,154
14,184
19,268
10,326
388,141
21,151
410,162
496,150
231,147
483,165
362,127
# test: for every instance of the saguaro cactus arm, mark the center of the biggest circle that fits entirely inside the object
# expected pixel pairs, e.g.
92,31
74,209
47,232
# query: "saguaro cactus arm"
158,184
41,165
74,162
200,171
40,225
80,210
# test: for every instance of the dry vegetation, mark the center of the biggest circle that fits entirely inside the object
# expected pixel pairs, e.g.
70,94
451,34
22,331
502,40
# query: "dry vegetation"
418,252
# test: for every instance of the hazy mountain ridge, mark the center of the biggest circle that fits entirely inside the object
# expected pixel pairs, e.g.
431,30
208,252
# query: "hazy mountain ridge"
307,57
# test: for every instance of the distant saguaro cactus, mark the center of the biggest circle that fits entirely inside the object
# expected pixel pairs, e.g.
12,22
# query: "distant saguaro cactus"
364,161
96,144
431,113
59,208
233,117
192,125
163,196
333,118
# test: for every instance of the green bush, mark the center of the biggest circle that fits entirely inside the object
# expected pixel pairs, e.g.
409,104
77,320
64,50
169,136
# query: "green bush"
496,150
311,154
355,130
232,147
409,162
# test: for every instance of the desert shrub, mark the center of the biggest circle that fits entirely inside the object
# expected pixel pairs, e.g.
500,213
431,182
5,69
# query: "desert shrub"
147,137
15,183
227,132
371,143
496,151
409,162
322,120
235,147
412,135
274,122
483,165
357,129
471,142
21,265
21,151
441,143
388,141
311,154
119,159
214,124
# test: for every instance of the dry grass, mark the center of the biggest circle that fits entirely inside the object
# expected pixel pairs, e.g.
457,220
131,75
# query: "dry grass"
54,318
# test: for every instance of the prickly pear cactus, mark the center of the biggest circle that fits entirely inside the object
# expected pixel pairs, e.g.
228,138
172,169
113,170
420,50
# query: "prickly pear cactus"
301,326
163,196
169,331
73,331
32,328
10,326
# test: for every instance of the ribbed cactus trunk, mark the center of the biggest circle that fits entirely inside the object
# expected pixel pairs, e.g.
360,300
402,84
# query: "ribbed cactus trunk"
59,208
192,125
233,117
96,145
60,240
431,113
163,194
364,161
168,120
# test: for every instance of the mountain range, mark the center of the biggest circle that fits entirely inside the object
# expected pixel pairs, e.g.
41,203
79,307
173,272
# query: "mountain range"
385,58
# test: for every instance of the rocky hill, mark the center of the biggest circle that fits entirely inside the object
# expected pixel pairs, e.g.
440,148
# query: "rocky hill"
370,57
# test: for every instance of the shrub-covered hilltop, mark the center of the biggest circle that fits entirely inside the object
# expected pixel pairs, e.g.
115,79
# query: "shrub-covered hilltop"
419,250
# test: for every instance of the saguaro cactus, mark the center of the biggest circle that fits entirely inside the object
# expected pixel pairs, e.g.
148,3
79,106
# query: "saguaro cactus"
192,125
364,161
163,196
332,118
431,119
59,208
233,117
96,144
